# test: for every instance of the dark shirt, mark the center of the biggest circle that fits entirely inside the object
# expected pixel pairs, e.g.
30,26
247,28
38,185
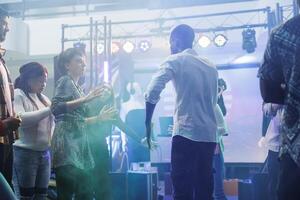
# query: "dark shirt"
282,65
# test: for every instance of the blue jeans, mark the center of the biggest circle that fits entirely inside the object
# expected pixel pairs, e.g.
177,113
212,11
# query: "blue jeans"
32,171
218,164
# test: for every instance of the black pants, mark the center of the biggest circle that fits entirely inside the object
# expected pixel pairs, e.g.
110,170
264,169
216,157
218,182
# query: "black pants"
6,162
192,171
72,181
101,182
273,174
289,179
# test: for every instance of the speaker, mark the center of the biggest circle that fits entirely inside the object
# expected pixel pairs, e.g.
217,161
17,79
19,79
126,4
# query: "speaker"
168,184
245,190
142,185
119,186
260,186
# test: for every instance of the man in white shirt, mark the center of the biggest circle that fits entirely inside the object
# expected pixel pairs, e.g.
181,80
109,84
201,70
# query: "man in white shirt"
194,135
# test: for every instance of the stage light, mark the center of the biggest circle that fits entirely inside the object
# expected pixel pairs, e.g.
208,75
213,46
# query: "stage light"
249,40
100,48
79,45
144,45
220,40
128,47
106,72
204,41
115,47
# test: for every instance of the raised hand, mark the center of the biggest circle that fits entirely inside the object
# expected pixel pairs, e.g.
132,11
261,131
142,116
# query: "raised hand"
106,93
100,91
108,113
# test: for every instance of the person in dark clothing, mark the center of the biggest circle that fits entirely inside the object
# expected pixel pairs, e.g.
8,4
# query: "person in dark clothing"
279,84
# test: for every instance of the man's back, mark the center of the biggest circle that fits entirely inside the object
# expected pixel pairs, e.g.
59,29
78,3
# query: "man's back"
195,82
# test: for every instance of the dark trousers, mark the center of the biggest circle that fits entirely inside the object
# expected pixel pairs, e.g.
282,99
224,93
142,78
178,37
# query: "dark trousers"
72,181
6,162
273,174
289,179
192,171
101,182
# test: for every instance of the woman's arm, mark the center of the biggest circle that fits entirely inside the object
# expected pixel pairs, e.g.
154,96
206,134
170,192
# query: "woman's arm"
29,118
60,102
127,130
34,117
107,114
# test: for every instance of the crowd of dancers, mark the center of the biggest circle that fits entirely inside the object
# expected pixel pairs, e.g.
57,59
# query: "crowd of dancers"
68,133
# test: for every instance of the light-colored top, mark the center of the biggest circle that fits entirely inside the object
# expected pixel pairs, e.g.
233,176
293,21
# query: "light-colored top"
272,138
195,82
37,124
222,128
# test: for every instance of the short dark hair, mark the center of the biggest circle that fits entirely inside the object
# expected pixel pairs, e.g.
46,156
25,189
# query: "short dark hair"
3,13
185,33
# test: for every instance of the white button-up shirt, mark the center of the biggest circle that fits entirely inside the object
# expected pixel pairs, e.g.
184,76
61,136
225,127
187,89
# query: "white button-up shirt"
195,81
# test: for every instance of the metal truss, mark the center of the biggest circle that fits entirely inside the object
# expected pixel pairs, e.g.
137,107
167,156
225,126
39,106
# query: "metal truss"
285,12
215,22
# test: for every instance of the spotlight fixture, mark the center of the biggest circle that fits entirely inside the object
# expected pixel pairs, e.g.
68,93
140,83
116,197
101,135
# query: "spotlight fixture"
204,41
128,47
100,48
220,40
144,45
115,47
249,40
79,45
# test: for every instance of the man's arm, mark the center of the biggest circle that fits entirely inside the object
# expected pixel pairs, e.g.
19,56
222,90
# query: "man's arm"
149,113
271,91
271,75
156,86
